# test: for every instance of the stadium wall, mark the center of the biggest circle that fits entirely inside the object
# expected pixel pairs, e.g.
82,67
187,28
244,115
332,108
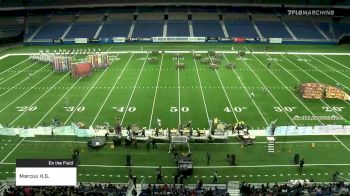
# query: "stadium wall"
230,40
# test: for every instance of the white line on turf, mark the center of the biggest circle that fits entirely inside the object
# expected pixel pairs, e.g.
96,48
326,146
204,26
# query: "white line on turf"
307,108
14,66
330,67
15,86
207,167
341,142
63,96
39,98
337,62
228,99
110,92
268,90
305,72
200,86
299,82
2,161
133,91
19,72
245,88
4,56
25,92
345,86
155,93
81,101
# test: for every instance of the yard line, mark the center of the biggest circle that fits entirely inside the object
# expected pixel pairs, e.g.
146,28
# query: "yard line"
200,86
26,92
267,90
22,81
179,92
2,161
133,91
308,75
330,67
110,92
299,82
81,101
14,66
104,71
64,95
288,90
325,74
155,93
245,88
19,72
229,102
337,62
39,98
341,142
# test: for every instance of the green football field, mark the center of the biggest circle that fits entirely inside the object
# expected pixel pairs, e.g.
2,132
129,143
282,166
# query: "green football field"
139,92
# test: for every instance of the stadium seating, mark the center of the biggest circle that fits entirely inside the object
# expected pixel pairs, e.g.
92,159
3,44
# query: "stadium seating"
178,28
52,31
148,28
340,28
207,28
115,29
83,30
336,188
273,29
325,27
96,189
31,31
304,30
240,29
164,189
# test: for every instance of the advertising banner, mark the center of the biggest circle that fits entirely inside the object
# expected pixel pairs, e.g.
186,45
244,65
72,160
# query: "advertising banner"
81,40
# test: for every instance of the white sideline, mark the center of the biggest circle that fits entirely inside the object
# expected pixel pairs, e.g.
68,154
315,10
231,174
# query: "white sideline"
2,161
4,56
204,51
208,167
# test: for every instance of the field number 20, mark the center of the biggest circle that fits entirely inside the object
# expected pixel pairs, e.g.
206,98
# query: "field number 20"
182,109
332,109
26,108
